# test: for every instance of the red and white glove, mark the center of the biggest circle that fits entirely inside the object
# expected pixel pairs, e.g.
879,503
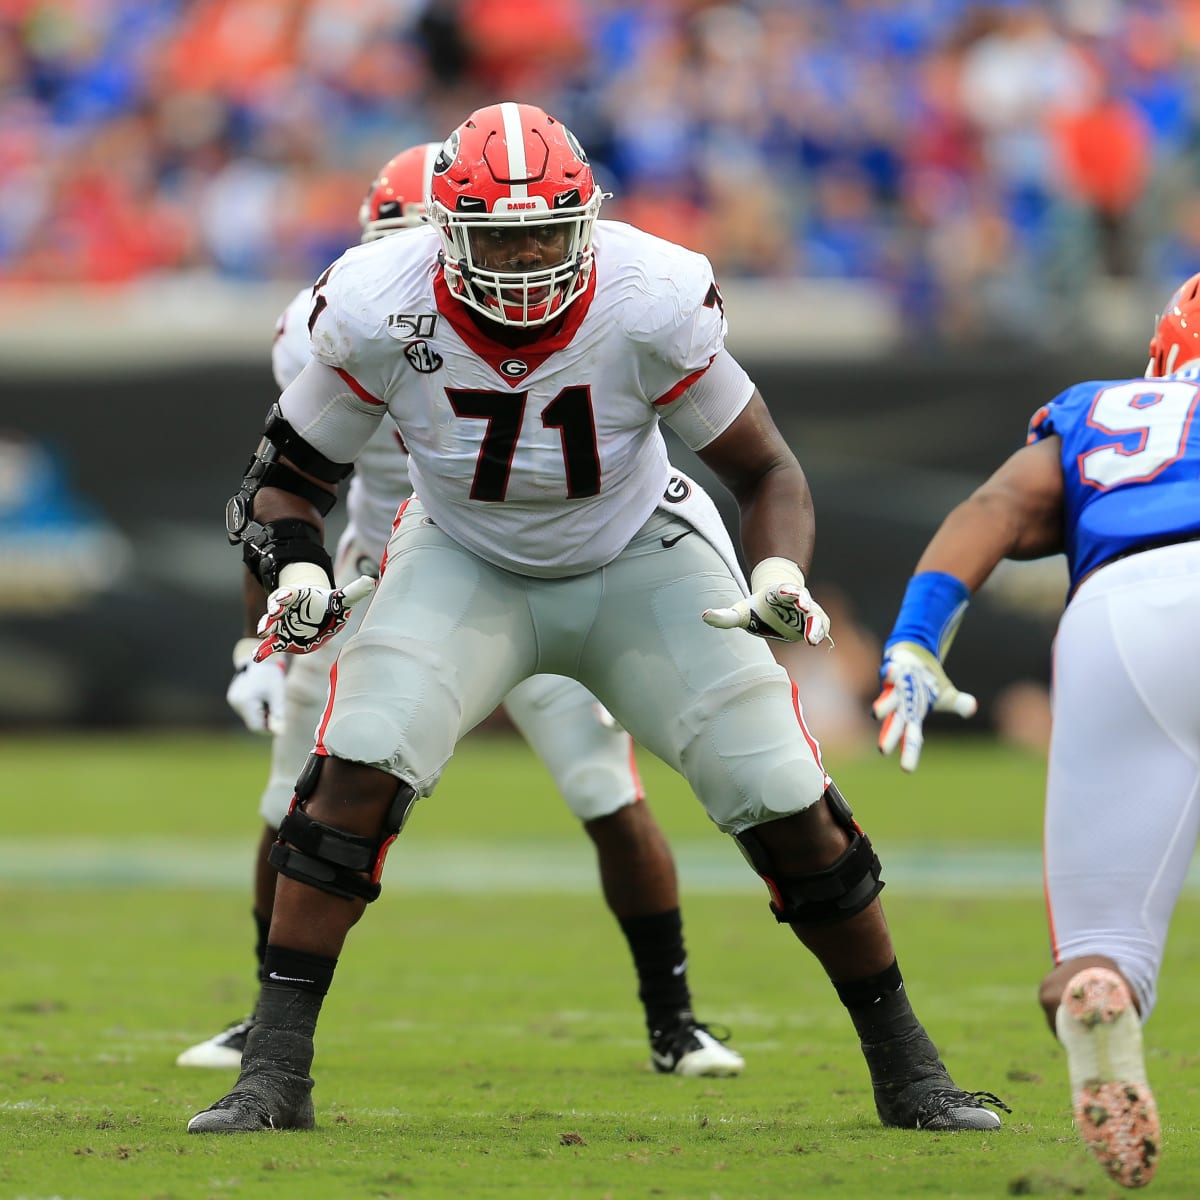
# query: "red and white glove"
779,607
256,690
304,612
914,683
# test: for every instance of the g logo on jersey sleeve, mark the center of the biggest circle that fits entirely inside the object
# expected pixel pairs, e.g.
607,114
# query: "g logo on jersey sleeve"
677,490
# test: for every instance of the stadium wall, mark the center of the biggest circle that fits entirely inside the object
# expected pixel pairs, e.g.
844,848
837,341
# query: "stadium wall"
120,595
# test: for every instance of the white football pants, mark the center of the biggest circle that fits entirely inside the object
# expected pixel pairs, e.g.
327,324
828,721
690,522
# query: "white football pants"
447,636
591,760
1123,788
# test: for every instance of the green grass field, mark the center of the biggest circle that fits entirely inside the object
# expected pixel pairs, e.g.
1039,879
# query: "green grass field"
483,1037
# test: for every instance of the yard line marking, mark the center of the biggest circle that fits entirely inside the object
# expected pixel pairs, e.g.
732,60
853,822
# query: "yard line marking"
552,865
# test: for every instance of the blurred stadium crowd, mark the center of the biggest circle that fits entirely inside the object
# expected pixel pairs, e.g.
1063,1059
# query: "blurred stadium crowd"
977,160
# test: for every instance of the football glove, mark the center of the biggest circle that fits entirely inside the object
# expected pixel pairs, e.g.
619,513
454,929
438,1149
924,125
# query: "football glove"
779,607
913,684
304,612
255,692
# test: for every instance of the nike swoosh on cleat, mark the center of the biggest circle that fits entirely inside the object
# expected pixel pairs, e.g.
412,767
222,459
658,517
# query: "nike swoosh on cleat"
669,542
679,970
288,978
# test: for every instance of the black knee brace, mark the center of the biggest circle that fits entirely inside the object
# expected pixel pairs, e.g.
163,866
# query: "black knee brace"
331,859
835,892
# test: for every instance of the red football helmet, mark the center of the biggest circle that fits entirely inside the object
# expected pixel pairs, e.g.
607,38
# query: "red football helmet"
396,198
1176,339
514,200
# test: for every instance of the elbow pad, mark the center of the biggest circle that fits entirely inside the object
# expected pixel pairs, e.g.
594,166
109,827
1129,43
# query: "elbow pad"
289,444
268,547
265,469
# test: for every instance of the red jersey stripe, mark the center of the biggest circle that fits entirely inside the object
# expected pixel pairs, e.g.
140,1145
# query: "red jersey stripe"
357,388
682,386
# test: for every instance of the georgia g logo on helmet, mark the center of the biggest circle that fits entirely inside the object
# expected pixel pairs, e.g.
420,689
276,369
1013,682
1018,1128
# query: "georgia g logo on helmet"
573,142
446,154
513,199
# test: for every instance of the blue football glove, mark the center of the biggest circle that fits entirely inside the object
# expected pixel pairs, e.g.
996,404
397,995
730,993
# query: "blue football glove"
914,683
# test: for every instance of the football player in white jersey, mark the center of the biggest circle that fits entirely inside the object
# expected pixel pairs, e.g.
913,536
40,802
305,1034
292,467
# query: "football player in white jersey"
590,758
527,353
1110,477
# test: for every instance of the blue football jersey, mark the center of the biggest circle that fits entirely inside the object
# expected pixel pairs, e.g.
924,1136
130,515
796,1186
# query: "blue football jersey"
1131,464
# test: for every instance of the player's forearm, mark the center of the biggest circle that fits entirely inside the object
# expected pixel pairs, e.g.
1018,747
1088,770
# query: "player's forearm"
774,503
275,504
1016,514
777,518
277,513
971,543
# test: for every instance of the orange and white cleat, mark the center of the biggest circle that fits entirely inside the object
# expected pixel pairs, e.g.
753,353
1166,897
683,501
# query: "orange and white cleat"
1114,1107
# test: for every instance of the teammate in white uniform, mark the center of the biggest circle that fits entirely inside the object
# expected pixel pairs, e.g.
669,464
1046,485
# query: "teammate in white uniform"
1111,477
527,354
590,758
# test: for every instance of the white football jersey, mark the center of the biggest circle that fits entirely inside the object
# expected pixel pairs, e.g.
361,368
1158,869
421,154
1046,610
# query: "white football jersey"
380,480
544,459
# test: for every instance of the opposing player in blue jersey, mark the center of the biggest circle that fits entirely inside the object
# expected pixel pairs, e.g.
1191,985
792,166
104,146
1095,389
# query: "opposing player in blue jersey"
1110,476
